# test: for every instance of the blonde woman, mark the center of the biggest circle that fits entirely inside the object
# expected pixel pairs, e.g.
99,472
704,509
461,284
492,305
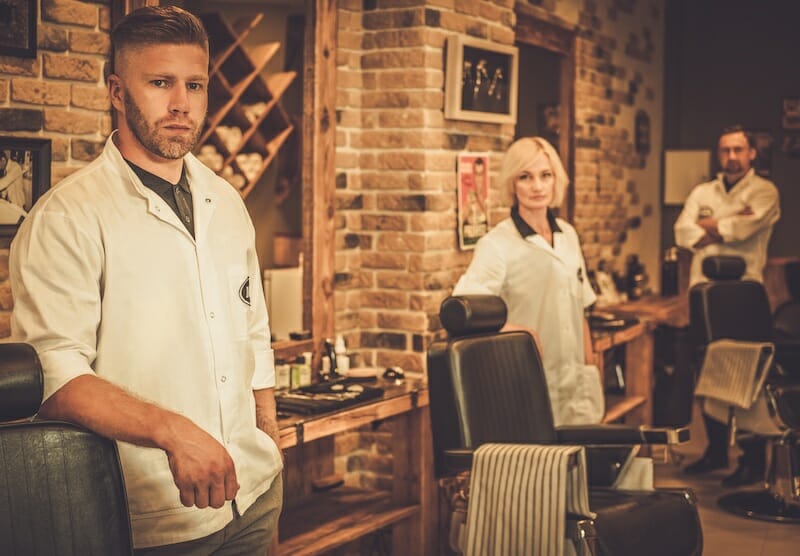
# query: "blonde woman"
533,260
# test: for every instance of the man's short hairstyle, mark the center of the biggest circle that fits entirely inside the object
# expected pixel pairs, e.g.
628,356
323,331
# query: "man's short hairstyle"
520,155
737,128
153,25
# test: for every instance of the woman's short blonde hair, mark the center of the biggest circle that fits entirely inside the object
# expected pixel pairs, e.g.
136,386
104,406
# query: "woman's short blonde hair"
520,155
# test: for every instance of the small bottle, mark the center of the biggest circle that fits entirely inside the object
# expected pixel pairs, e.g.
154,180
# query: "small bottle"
283,376
669,272
342,360
295,372
305,369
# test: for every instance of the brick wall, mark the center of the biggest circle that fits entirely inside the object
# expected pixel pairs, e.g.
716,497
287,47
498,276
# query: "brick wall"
396,248
619,73
396,245
59,95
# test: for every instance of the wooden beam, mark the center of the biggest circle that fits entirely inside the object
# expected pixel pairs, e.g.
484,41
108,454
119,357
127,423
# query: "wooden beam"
319,150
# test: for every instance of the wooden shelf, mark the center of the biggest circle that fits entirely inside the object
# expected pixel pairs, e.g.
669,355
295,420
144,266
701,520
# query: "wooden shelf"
603,341
619,406
325,521
289,349
237,82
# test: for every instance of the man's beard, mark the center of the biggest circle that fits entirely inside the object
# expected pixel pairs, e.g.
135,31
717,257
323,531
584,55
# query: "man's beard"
733,167
172,148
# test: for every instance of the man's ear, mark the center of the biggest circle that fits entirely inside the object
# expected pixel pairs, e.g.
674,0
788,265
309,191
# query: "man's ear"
116,92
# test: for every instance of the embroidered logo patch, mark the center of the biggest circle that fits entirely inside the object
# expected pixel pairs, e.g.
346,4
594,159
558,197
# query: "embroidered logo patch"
244,291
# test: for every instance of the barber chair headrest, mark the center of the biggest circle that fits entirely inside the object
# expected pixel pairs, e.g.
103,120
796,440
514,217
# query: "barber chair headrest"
473,314
723,267
21,382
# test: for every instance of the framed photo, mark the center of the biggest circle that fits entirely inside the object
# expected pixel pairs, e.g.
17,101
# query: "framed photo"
791,145
790,117
481,81
473,198
18,28
24,177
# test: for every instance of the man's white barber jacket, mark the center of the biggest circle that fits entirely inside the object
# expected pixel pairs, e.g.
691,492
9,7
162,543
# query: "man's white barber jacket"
108,281
746,236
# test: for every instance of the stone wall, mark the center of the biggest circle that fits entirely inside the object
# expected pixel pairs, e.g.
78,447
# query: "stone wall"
59,95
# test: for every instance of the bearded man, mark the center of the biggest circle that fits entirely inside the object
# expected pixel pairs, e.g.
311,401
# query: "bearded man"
127,279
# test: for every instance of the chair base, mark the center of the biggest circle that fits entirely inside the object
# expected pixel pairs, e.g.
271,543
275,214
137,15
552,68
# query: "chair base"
760,504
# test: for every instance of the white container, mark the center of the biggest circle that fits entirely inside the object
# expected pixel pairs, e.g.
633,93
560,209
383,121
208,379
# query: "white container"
283,375
283,292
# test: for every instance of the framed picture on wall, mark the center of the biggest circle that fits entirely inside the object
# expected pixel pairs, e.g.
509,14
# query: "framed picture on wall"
481,81
24,177
18,28
790,117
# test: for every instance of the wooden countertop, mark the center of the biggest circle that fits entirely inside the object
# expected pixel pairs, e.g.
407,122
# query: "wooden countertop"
397,399
670,311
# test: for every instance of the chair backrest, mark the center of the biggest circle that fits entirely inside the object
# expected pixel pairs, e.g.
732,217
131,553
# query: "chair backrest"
727,307
61,486
485,386
786,319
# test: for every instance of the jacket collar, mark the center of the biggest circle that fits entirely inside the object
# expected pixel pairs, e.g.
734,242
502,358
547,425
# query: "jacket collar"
739,184
525,229
200,178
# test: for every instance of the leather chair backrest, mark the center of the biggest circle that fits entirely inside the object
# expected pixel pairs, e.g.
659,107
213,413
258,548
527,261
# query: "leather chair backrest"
727,307
487,386
786,319
61,486
791,273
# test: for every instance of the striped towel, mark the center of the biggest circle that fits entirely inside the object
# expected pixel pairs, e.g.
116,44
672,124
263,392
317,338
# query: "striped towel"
519,497
734,371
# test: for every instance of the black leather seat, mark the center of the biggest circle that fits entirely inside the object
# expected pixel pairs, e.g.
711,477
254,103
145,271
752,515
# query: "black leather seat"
727,307
61,486
486,386
786,319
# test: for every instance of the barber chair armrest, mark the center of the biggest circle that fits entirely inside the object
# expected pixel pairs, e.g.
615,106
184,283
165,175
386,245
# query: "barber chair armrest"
458,459
787,355
620,434
785,401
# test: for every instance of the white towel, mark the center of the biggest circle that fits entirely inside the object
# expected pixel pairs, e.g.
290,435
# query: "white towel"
734,371
519,497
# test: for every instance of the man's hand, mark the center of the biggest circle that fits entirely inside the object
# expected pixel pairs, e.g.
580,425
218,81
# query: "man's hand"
709,224
707,240
202,469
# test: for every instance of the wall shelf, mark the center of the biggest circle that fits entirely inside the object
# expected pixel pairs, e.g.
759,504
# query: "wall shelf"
245,126
329,520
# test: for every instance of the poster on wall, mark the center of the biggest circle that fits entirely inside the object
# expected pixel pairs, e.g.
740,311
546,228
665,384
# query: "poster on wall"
473,197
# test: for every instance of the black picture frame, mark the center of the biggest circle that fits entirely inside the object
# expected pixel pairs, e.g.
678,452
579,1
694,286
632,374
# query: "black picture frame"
27,167
481,81
18,28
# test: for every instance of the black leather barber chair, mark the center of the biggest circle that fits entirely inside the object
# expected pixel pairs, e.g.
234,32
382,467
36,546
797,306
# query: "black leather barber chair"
61,487
729,308
486,386
786,320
